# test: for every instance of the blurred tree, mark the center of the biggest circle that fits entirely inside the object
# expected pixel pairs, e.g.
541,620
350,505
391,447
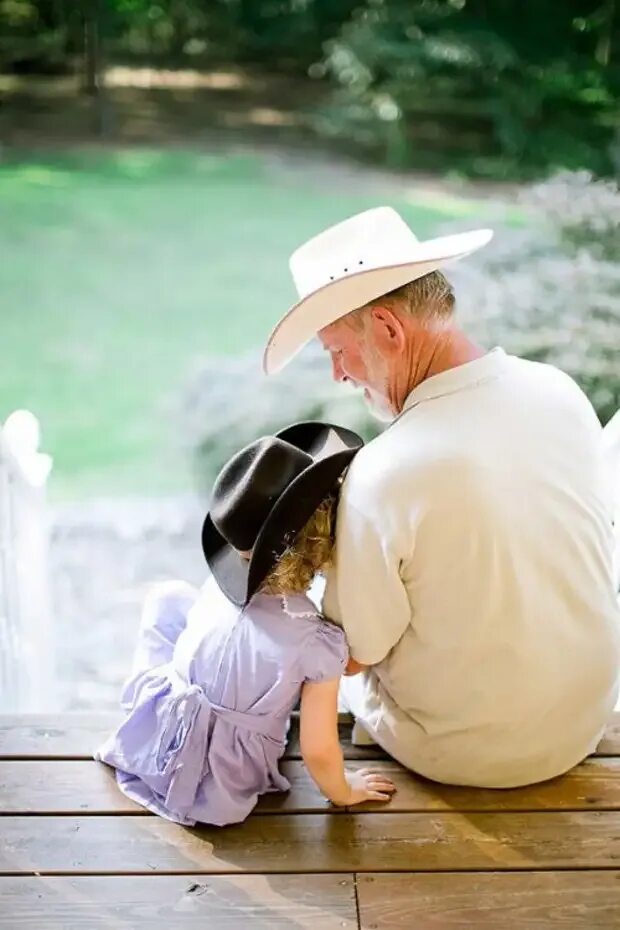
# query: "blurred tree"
490,87
499,87
33,35
605,18
92,47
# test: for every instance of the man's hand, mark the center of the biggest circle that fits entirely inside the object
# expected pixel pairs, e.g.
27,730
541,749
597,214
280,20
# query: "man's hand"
367,785
354,668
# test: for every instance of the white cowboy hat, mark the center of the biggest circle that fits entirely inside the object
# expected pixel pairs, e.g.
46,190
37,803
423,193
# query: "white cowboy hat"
352,263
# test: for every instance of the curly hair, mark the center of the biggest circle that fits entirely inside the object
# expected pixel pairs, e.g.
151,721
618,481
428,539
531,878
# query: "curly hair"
310,552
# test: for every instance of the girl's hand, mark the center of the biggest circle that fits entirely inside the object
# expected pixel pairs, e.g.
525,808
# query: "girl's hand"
367,785
322,752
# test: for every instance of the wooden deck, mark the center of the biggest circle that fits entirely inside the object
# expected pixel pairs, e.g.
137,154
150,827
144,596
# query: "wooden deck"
74,853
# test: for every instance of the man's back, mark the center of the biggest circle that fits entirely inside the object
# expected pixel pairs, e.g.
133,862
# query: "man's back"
486,594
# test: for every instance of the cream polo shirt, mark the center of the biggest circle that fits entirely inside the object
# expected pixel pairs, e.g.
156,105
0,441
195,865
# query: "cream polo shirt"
473,570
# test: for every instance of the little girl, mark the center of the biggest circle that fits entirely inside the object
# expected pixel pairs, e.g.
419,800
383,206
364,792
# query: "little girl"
218,672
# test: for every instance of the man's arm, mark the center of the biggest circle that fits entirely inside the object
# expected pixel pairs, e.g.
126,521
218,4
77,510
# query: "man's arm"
354,668
364,591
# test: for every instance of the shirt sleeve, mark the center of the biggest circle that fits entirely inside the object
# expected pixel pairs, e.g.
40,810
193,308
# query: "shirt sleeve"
327,653
364,591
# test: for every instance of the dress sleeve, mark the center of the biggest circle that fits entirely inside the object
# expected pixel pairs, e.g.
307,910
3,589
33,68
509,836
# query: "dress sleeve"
327,653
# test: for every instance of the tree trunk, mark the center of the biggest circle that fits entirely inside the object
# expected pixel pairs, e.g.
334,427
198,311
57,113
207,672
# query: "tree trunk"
94,80
92,63
603,45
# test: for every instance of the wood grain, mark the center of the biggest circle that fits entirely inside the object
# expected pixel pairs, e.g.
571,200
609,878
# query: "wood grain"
183,902
77,735
496,901
54,736
77,787
313,843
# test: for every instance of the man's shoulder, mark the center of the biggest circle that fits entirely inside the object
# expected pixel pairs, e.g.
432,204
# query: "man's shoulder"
382,468
550,375
557,394
377,461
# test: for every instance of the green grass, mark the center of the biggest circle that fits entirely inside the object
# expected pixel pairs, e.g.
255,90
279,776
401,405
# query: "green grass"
120,272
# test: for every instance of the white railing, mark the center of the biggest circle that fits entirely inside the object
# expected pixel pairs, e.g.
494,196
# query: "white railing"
27,662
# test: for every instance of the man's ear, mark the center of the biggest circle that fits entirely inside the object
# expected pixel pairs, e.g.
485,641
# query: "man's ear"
387,329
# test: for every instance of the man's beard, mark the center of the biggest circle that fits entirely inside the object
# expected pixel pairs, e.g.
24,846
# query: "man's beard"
377,401
378,405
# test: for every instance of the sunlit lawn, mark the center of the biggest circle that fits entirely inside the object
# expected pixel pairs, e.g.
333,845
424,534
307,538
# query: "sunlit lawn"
119,272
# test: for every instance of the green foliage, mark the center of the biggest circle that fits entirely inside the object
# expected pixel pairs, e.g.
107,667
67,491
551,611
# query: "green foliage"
39,34
34,35
486,88
468,85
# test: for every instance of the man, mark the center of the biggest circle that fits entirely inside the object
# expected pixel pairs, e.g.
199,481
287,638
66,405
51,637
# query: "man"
473,571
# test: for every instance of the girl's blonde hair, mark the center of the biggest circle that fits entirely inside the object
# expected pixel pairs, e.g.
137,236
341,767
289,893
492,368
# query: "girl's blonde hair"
310,552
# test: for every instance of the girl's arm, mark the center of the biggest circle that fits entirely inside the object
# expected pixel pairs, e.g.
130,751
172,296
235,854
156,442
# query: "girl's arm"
322,754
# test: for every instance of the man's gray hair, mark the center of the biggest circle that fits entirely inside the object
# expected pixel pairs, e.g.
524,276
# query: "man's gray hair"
428,298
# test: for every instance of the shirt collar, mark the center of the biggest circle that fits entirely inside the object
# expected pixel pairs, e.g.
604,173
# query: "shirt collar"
457,379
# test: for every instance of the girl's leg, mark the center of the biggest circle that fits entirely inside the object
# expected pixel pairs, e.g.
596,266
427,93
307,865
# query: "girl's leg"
164,616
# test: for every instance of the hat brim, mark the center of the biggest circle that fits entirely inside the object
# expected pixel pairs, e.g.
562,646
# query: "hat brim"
241,578
337,298
230,570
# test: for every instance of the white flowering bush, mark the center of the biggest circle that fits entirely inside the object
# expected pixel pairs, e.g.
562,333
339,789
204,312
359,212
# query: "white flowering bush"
552,292
231,402
585,211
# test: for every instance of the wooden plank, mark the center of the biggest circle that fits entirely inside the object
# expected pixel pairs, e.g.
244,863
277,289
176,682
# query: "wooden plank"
54,736
313,843
512,901
76,736
43,787
76,787
180,902
595,784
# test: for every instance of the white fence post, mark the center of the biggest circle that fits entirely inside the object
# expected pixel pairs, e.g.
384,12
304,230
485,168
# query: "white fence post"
27,660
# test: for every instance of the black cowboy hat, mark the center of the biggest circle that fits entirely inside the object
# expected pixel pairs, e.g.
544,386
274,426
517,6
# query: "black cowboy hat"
264,495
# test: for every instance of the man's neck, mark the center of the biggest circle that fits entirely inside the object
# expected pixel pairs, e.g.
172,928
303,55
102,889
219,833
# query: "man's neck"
429,352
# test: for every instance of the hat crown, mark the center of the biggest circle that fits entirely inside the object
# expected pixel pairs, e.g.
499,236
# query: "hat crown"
372,239
249,485
265,495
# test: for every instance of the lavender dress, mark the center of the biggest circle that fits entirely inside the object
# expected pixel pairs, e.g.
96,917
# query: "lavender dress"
210,697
